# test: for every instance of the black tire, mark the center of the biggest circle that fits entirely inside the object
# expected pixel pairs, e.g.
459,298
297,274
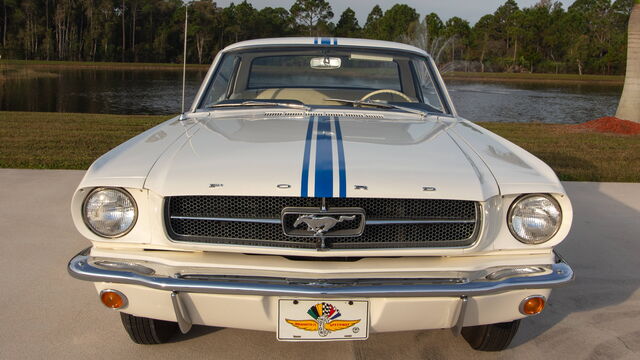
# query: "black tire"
148,331
492,337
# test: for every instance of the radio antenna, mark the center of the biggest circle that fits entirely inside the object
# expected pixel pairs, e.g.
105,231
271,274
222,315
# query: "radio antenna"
184,57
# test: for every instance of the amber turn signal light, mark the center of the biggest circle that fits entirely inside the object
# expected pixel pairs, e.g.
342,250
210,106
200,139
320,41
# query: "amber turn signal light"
113,299
532,305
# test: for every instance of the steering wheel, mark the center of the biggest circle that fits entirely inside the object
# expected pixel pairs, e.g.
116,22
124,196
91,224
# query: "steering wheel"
386,91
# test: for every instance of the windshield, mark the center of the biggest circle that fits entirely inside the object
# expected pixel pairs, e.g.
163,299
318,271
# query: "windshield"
322,76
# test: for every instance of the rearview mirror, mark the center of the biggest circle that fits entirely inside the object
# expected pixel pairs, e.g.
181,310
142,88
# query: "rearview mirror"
326,63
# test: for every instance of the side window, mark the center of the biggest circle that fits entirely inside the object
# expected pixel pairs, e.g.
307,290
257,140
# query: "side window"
220,83
428,88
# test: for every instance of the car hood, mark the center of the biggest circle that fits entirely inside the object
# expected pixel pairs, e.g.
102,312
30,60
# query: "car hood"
322,155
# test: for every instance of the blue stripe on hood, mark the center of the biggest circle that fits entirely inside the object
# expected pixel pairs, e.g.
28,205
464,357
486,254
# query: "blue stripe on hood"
304,186
341,162
324,159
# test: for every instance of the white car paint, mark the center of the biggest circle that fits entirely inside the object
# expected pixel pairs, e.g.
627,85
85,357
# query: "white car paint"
252,151
395,157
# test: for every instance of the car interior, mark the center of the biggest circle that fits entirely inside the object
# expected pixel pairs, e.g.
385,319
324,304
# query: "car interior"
315,76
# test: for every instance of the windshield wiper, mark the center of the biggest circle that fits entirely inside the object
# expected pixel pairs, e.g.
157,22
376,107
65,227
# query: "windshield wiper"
381,105
261,103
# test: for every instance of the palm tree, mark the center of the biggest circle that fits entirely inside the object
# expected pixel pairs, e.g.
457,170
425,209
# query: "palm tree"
629,107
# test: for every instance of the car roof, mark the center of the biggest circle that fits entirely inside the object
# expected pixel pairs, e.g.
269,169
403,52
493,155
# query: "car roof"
325,41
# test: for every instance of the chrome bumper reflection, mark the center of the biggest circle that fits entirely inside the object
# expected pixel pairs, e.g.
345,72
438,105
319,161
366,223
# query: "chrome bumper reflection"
489,281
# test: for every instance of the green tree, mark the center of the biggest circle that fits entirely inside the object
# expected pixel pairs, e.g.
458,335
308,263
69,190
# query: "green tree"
8,12
457,27
422,38
235,18
589,37
459,31
434,26
308,13
590,26
396,22
348,24
202,18
372,26
554,39
506,24
246,14
578,41
481,36
274,22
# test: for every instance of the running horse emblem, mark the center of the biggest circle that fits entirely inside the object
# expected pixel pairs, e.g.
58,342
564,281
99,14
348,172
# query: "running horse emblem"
320,224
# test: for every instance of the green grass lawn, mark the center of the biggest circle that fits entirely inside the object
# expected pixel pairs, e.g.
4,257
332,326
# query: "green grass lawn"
64,140
577,155
73,141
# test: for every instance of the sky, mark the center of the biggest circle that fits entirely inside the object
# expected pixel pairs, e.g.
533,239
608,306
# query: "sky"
471,10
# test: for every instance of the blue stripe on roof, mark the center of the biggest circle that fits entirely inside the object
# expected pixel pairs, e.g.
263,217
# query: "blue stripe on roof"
342,172
324,159
304,186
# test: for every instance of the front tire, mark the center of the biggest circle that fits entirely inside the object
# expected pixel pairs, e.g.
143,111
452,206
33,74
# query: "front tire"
491,337
147,331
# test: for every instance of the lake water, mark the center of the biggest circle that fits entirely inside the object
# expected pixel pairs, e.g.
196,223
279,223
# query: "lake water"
534,102
159,92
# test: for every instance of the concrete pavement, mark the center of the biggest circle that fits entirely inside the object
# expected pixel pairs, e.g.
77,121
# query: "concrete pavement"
47,314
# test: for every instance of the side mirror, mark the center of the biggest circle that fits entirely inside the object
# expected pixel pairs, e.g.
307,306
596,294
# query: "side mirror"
326,63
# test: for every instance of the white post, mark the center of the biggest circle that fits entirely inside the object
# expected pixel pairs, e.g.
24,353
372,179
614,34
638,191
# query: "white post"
629,107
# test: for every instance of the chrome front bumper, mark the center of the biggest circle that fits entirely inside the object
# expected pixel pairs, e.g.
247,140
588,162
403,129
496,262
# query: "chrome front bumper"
456,284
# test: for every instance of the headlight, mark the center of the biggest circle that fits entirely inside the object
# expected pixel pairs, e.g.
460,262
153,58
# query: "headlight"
534,219
109,212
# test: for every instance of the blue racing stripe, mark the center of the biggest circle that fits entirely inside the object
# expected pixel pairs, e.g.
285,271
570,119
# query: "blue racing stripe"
324,159
304,186
342,172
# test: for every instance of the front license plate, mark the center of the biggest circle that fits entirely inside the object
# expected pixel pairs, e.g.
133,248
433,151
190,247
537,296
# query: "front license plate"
310,320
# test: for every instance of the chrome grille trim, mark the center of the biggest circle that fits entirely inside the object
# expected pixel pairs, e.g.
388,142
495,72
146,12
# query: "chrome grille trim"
394,223
247,220
423,221
367,222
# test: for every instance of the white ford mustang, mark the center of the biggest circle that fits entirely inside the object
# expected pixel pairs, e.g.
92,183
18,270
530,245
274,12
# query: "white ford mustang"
322,189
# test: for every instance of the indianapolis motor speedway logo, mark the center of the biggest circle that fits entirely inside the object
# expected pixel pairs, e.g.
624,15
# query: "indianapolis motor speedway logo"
324,320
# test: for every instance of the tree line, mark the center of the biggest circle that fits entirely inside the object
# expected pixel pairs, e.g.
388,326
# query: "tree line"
588,37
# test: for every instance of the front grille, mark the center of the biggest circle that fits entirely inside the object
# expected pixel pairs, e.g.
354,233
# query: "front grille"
255,221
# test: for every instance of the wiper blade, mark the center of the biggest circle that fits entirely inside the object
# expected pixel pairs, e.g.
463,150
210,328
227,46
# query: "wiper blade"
262,103
363,103
381,105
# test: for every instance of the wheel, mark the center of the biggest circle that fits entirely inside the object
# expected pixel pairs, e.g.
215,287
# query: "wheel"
492,337
148,331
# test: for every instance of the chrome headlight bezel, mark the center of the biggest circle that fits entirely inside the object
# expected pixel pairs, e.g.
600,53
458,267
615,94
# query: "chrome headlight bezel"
525,197
93,229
